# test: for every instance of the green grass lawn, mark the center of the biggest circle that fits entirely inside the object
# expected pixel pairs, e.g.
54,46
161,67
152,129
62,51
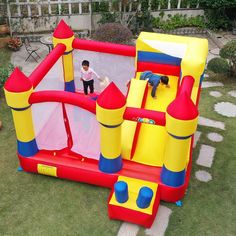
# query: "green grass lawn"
39,205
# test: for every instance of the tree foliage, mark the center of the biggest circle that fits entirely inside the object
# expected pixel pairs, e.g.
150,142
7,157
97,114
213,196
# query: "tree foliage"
217,4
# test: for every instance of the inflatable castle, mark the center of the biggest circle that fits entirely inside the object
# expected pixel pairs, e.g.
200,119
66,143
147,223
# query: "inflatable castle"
119,138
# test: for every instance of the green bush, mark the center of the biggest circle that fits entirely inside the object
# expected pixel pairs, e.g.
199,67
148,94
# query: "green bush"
5,73
229,52
177,21
218,65
113,32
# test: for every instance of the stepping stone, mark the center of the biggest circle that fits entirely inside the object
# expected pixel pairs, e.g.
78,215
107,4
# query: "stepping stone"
227,109
196,138
215,51
203,176
128,229
232,93
206,155
211,123
206,76
215,137
160,223
207,84
216,94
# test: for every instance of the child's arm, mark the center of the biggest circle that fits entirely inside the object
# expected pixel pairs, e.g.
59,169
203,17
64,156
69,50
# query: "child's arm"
95,74
81,75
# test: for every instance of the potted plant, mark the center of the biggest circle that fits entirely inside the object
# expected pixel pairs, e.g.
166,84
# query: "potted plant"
14,44
4,29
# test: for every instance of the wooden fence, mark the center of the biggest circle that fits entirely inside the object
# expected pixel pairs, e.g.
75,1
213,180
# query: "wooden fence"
35,8
43,15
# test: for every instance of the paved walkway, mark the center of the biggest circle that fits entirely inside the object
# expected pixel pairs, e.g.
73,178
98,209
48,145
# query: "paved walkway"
18,58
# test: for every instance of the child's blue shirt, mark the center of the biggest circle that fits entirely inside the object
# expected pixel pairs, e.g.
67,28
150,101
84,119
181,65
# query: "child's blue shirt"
153,80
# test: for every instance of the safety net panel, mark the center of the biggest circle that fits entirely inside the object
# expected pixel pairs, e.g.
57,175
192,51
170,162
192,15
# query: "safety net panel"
49,126
119,69
85,132
54,79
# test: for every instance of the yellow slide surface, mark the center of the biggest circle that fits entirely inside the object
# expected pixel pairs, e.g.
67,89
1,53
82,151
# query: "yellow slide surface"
135,99
151,139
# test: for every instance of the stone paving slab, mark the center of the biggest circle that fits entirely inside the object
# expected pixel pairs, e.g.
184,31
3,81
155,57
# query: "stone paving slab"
215,137
203,176
208,84
227,109
211,123
232,93
196,138
206,156
160,223
215,94
128,229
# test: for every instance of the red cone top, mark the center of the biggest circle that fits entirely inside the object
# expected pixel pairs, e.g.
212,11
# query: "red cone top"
111,98
18,82
182,108
63,31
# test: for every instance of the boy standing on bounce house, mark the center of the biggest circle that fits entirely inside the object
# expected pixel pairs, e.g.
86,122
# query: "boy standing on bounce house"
154,81
86,75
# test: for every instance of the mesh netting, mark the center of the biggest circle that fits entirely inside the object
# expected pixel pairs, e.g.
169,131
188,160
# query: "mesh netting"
49,126
54,79
85,132
118,69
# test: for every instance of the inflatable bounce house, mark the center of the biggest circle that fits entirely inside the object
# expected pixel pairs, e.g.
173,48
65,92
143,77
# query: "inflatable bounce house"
119,137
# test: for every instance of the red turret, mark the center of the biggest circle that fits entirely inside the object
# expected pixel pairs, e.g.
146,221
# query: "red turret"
62,31
18,82
111,98
182,108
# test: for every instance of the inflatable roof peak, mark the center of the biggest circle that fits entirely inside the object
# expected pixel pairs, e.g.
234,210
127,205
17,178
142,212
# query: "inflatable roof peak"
63,31
183,108
18,82
111,97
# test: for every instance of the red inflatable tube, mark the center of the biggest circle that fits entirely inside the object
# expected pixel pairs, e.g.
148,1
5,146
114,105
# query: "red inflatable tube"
63,97
186,85
134,113
43,68
112,48
158,68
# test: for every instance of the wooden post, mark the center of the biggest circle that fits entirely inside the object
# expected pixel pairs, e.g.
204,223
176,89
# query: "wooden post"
29,8
49,8
18,8
179,4
80,8
69,7
39,8
169,5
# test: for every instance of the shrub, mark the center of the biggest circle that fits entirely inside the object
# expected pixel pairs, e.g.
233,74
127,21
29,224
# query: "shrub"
5,73
229,52
218,65
113,32
177,21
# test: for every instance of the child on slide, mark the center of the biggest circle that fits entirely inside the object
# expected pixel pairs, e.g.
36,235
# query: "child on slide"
154,80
